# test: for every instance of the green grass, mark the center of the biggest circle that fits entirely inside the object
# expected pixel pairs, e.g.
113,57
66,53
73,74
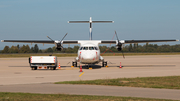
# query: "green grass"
75,54
65,97
169,82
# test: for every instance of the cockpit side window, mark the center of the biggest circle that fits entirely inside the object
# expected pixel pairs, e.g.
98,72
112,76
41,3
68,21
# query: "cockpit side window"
91,48
81,48
95,48
85,48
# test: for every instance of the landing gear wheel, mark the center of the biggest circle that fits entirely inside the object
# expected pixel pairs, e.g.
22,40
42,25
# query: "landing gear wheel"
104,64
74,64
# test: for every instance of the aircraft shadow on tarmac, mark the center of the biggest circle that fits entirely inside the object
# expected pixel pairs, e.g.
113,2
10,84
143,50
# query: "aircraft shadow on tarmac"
91,66
85,67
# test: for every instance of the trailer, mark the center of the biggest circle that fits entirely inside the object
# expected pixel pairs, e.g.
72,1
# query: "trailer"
43,62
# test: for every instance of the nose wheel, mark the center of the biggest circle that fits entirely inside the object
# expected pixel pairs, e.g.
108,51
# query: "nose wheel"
74,64
104,63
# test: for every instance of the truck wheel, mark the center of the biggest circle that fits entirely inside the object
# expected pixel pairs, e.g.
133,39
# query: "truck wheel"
54,68
34,68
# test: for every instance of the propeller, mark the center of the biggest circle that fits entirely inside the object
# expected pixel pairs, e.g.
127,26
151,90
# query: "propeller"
58,45
118,46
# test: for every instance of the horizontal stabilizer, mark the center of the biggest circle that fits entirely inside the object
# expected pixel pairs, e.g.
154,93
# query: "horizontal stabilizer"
102,21
78,21
90,22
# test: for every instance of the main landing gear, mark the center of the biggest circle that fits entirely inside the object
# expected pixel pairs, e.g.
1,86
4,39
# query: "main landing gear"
74,64
104,63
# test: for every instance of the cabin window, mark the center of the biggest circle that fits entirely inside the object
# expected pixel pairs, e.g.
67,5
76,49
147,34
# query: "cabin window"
85,48
91,48
95,48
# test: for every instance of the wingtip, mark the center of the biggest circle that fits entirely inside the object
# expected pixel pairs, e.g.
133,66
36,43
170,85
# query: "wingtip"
2,40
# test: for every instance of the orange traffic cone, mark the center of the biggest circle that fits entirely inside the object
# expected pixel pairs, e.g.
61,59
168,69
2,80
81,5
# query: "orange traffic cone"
120,65
59,66
80,69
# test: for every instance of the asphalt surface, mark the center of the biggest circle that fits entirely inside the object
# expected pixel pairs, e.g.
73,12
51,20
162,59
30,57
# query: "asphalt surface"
93,90
16,76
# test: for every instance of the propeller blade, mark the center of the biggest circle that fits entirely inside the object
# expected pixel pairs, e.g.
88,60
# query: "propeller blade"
50,38
117,36
64,37
123,54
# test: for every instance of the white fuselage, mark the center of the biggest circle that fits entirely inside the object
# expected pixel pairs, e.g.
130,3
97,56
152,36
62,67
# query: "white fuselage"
89,52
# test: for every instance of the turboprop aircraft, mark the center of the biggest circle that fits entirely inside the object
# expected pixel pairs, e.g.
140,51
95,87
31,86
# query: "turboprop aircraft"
88,52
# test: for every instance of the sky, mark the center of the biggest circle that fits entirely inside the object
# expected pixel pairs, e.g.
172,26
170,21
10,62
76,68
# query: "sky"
133,20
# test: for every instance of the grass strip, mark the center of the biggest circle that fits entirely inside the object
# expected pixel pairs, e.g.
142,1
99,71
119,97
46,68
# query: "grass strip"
168,82
75,54
5,96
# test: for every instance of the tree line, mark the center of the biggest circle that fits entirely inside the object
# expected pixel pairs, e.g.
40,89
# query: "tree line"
127,48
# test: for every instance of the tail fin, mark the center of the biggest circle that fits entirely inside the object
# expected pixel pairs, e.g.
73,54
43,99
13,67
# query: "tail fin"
90,22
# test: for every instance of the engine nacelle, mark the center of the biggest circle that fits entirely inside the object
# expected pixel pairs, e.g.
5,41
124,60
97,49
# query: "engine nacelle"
59,49
119,46
59,46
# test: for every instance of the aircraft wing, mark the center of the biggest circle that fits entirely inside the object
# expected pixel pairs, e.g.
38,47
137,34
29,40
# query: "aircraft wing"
77,42
135,41
41,41
30,41
147,41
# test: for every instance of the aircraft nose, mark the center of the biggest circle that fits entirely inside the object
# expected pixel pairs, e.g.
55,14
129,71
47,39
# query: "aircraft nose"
88,55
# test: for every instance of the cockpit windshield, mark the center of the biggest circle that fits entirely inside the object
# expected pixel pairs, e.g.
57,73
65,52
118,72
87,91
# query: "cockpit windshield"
95,48
91,48
88,48
85,48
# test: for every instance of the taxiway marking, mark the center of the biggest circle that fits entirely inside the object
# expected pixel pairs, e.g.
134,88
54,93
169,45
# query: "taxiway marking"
81,74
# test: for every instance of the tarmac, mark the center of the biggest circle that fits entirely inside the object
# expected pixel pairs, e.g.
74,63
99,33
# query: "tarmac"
17,76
